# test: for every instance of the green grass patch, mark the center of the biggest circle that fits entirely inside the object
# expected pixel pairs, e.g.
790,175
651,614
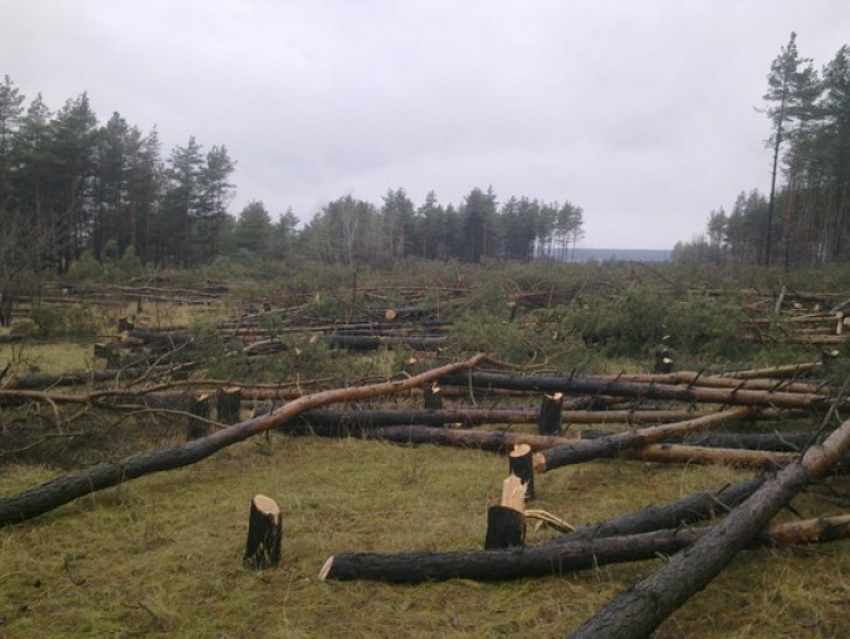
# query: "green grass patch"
163,554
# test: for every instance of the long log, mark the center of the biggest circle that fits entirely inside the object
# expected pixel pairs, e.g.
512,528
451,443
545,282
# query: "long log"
549,559
639,390
684,454
719,381
42,499
638,611
474,416
684,511
586,450
501,442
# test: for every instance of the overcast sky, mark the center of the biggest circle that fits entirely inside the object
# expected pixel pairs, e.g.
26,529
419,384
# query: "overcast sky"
642,112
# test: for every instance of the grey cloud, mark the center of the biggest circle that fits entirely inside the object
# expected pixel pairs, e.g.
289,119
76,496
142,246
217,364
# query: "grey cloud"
641,113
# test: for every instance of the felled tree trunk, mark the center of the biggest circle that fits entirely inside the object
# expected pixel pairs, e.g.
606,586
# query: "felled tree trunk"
347,420
612,386
41,499
683,454
550,559
638,611
585,450
495,441
265,532
685,511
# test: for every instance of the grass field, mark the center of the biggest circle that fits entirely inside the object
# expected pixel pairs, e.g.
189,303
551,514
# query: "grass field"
163,554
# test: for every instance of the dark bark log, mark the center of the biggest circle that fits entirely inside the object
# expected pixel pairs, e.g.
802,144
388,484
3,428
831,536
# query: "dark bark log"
780,442
42,499
485,440
542,560
582,451
373,342
681,512
36,381
360,419
265,533
638,611
643,391
551,414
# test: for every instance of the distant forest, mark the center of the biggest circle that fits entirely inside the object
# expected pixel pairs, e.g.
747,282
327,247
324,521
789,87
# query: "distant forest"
804,220
73,189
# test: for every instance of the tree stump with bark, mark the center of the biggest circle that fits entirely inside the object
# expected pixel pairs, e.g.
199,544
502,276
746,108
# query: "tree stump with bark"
227,404
265,533
433,400
506,522
199,410
551,414
520,463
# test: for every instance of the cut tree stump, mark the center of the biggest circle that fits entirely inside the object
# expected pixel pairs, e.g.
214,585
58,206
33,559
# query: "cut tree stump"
520,464
199,409
433,400
506,522
227,403
265,532
551,414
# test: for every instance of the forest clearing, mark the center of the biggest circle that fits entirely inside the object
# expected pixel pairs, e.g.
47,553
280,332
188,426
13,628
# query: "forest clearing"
378,413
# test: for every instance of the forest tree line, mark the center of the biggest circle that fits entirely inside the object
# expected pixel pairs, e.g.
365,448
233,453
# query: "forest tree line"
71,187
803,221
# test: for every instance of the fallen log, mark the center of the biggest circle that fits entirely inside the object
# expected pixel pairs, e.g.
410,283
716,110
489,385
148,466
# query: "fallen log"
638,611
504,442
681,512
684,454
780,442
500,442
582,451
546,560
357,418
719,381
791,370
373,342
42,499
645,391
